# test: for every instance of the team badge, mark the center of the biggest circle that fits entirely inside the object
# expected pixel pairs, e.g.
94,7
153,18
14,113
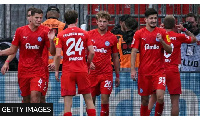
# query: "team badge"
56,40
141,90
39,39
107,43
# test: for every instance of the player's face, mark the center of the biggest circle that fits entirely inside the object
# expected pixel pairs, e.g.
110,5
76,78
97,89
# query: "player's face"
151,20
193,22
36,19
29,16
102,24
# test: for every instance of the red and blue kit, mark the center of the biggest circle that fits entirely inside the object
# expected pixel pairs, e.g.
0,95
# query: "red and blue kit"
172,60
31,67
151,75
102,77
74,43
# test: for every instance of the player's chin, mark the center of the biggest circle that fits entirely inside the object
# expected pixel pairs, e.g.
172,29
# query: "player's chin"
102,28
153,26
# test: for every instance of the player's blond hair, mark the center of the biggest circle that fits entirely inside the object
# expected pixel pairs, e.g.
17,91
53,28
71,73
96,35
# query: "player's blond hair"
103,14
169,22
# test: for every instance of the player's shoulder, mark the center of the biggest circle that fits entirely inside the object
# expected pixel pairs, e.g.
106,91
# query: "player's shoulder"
93,31
22,27
142,30
158,29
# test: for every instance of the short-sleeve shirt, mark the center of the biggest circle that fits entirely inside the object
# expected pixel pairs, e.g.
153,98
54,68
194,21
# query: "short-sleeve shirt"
172,60
190,57
151,51
104,46
74,42
31,45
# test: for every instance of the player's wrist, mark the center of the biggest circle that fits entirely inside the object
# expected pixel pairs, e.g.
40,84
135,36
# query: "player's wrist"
7,61
184,30
117,75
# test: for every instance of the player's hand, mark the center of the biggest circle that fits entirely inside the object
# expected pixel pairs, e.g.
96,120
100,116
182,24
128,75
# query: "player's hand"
180,27
159,37
51,34
133,75
5,68
92,66
162,25
57,75
51,67
117,82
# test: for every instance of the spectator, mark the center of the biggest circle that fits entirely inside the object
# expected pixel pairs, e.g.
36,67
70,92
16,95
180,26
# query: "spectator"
124,32
52,16
190,57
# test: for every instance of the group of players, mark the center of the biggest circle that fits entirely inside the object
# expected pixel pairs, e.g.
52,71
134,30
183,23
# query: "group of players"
158,47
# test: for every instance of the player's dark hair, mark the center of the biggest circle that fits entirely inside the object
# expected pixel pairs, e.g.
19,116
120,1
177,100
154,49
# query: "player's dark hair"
34,11
150,11
71,17
30,9
131,23
169,22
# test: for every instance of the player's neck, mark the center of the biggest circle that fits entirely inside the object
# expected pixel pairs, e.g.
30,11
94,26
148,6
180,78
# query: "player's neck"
102,32
71,25
168,30
33,27
149,28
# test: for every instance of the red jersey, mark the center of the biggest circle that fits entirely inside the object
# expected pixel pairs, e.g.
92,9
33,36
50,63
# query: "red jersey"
104,46
45,54
151,51
172,60
74,42
31,45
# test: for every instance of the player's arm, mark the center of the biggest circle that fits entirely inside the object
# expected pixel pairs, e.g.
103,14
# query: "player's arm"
91,54
166,47
181,28
57,62
5,67
51,36
116,65
9,51
133,58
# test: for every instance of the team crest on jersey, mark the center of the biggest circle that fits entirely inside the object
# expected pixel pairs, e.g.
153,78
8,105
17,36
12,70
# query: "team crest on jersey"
39,39
168,39
107,43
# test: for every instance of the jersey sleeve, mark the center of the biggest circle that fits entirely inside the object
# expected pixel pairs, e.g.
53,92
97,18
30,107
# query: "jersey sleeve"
166,38
59,41
16,38
136,41
114,48
183,38
88,40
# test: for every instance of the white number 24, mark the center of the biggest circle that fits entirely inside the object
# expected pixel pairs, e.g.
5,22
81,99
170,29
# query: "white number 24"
78,46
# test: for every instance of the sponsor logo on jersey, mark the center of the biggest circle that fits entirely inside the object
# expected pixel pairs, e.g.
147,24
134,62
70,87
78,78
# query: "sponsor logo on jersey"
39,39
56,40
149,47
102,50
107,43
168,39
28,46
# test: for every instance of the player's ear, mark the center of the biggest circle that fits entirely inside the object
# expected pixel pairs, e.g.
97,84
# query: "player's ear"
145,19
